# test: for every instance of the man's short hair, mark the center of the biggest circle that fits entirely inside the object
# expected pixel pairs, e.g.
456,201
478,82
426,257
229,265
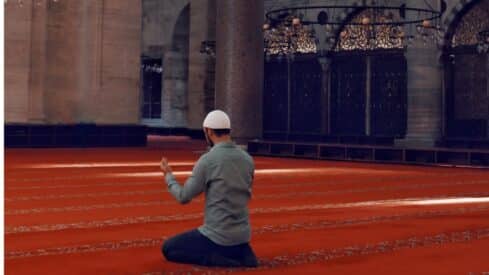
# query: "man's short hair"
221,132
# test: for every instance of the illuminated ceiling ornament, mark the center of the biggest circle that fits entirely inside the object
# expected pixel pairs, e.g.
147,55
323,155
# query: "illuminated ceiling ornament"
483,41
378,24
472,28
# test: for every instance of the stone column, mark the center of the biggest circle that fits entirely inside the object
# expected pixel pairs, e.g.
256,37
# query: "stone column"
487,89
174,97
117,62
92,62
202,28
62,62
18,24
326,95
424,97
90,44
424,94
368,96
239,65
444,78
38,62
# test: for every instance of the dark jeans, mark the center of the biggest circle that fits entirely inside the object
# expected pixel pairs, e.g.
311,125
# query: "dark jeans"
194,248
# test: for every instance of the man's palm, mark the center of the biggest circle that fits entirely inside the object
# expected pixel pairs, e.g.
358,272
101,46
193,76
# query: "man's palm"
165,168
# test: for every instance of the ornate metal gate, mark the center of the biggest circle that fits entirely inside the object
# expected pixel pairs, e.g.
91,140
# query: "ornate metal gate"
467,96
306,103
275,99
369,95
348,96
292,99
388,96
367,98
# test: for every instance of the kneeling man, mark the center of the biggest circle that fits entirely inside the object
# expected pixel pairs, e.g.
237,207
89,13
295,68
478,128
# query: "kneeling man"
225,175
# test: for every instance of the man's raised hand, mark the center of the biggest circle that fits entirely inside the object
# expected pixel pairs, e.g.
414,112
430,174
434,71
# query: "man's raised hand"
165,168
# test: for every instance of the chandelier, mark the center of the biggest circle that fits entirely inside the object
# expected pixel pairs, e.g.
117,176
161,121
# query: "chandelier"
483,41
289,37
294,30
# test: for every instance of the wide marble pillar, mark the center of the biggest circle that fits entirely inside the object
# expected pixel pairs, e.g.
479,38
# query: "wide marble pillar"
174,98
424,116
239,65
424,108
38,62
201,66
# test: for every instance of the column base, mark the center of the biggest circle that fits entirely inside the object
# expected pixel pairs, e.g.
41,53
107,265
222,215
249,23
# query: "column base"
39,120
417,142
243,141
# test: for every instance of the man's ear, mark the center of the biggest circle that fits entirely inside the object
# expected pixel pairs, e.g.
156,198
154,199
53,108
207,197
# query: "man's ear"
207,131
210,132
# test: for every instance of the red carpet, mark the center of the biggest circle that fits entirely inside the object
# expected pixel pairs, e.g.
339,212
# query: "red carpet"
106,211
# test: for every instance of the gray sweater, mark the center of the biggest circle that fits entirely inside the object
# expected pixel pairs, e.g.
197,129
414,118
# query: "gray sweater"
225,174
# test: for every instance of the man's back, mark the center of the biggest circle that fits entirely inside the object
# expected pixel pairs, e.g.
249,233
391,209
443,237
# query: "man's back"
228,189
225,175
